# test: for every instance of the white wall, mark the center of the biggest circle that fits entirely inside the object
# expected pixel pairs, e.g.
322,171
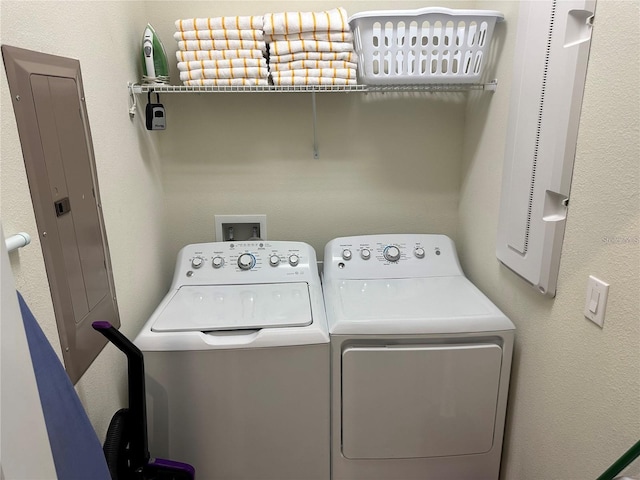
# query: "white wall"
424,163
105,37
575,396
387,164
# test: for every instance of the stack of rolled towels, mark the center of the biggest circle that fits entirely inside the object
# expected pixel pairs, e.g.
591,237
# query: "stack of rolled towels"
310,48
222,51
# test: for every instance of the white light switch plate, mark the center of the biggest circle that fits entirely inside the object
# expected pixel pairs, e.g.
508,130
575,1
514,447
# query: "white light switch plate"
596,301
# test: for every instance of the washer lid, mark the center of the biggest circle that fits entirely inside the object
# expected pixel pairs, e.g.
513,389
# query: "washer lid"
411,305
235,307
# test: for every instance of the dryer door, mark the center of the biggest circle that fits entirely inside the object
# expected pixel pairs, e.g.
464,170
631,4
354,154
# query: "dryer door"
416,401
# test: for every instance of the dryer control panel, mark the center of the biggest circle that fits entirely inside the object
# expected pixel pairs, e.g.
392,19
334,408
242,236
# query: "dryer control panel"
391,256
260,261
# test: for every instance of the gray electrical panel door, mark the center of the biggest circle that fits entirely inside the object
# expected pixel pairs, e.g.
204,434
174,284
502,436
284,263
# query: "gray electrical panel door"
48,101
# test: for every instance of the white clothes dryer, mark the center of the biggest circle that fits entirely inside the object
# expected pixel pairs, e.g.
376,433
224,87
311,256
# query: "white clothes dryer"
421,362
237,363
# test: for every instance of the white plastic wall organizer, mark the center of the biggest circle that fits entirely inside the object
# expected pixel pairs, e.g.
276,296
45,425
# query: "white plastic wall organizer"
550,68
427,45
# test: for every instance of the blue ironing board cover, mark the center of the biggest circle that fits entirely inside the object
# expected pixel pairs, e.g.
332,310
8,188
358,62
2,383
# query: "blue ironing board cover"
77,452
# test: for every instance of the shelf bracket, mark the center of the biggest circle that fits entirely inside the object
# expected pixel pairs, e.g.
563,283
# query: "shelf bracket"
316,155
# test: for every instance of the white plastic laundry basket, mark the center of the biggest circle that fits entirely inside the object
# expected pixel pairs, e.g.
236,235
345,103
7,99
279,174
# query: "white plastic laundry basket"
428,45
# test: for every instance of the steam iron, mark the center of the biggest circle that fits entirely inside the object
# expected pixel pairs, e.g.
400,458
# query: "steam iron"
155,67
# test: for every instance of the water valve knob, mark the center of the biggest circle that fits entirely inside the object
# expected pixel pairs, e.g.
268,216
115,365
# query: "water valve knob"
274,260
197,262
217,262
365,253
294,260
391,253
346,254
246,261
419,252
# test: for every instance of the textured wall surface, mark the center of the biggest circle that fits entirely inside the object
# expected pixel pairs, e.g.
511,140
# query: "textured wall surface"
387,163
420,163
105,37
575,396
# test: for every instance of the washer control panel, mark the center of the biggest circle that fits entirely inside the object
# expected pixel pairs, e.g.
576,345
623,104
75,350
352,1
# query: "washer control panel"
391,256
245,262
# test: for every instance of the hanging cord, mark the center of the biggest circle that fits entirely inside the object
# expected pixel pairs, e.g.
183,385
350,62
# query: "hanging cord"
163,79
133,102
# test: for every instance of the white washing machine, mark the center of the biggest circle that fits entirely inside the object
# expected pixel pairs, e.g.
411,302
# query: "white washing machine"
420,362
237,363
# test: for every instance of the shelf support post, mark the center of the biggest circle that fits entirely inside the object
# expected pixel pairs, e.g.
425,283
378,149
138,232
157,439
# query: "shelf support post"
316,155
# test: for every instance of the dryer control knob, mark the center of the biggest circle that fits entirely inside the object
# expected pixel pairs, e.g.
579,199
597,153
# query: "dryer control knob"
217,262
197,262
365,253
294,260
274,260
392,253
419,252
346,254
246,261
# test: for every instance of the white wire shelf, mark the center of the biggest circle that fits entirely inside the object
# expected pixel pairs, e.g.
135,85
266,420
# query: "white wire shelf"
136,88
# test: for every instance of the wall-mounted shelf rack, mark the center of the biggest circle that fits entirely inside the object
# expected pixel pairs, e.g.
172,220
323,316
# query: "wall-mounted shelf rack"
136,89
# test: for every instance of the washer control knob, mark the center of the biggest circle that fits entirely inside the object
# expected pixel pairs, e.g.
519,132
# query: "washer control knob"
365,253
294,260
197,262
391,253
419,252
246,261
274,260
346,254
217,262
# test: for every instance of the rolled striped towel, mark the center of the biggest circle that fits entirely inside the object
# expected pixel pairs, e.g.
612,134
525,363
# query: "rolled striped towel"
294,46
315,64
290,57
234,72
235,62
221,34
295,22
192,55
222,45
348,73
216,23
313,81
325,36
227,82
